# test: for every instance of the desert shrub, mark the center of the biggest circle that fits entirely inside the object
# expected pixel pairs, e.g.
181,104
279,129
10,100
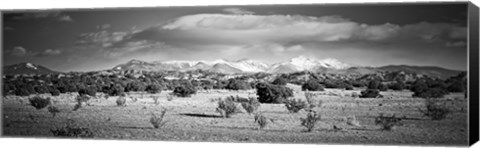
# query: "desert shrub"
42,89
155,100
370,93
280,81
121,101
374,84
227,107
91,91
53,110
387,123
273,93
23,91
430,93
134,86
71,130
184,91
399,85
295,105
169,97
312,85
113,90
39,102
382,87
234,84
54,92
349,87
153,88
310,121
457,86
261,120
435,110
158,120
251,106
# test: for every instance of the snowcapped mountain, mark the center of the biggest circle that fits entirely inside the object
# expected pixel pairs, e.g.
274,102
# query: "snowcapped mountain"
300,63
26,68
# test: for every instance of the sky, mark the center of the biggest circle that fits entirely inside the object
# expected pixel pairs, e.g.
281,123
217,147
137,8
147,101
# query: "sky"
368,35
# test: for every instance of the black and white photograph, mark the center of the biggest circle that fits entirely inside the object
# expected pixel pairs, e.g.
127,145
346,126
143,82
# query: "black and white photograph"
355,74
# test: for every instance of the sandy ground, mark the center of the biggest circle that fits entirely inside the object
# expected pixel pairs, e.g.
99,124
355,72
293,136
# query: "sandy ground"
195,119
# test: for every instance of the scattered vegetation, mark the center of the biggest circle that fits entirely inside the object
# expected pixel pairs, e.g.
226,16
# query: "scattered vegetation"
227,107
387,123
370,93
53,110
158,120
184,91
153,89
155,100
39,102
435,110
312,85
268,93
310,121
121,101
295,105
71,130
251,106
261,120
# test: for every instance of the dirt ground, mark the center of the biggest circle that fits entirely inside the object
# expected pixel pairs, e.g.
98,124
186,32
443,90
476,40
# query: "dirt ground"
195,119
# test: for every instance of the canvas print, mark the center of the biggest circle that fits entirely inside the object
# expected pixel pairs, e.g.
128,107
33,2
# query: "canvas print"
388,74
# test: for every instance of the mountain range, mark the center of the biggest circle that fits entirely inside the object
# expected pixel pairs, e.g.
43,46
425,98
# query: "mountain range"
26,68
296,64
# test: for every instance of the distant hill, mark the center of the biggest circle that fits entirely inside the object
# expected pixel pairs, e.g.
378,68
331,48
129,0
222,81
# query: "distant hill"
296,64
26,68
431,71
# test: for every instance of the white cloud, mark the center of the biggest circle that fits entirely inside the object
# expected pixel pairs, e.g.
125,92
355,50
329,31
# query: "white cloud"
51,52
104,26
20,51
237,11
248,29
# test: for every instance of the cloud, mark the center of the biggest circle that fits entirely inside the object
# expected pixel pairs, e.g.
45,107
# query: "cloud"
237,11
104,38
20,51
51,52
104,26
293,29
59,16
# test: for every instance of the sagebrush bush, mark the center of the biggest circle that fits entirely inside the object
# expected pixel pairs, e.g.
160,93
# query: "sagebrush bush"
54,92
268,93
295,105
280,81
251,106
310,121
387,123
261,120
435,110
121,101
184,91
39,102
158,121
53,110
70,130
155,100
227,107
312,85
234,84
153,88
370,93
430,93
